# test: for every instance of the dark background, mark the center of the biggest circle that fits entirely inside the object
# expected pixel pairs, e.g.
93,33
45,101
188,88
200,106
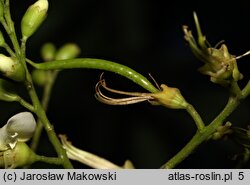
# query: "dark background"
145,35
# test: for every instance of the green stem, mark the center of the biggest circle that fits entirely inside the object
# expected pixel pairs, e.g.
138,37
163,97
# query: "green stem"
3,22
9,50
11,29
45,101
235,89
49,160
25,104
47,125
185,151
199,137
246,90
196,117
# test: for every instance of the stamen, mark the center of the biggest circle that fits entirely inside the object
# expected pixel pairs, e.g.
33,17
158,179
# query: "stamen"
245,54
218,44
136,96
155,82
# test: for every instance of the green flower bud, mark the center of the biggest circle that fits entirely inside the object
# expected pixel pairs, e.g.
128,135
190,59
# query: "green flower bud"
33,17
7,91
40,77
170,98
48,51
217,136
2,41
11,68
19,156
68,51
19,127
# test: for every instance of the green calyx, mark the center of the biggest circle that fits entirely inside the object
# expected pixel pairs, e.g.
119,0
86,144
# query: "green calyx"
19,156
169,97
11,68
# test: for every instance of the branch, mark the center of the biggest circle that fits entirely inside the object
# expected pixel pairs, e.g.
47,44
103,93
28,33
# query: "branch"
196,117
206,133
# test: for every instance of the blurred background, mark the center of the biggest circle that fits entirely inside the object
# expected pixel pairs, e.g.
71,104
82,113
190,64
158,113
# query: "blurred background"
147,36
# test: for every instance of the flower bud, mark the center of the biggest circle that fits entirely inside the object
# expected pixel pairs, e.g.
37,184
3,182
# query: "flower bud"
216,136
19,156
170,98
68,51
222,131
2,41
48,51
11,68
7,91
40,77
33,17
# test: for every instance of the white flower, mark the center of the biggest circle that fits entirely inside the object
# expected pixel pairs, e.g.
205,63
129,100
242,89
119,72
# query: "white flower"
19,127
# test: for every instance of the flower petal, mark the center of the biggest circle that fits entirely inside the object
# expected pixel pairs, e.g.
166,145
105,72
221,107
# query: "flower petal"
86,158
23,124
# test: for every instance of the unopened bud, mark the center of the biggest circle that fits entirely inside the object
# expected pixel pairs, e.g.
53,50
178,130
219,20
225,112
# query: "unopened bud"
68,51
11,68
217,136
48,51
40,77
33,17
170,97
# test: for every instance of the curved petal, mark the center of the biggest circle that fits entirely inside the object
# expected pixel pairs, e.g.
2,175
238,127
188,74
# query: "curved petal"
23,124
